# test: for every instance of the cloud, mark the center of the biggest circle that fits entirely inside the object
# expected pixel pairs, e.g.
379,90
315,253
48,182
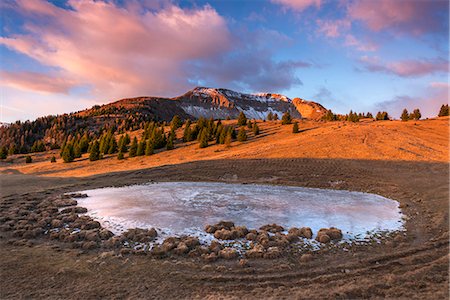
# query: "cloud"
367,46
119,52
37,81
154,48
333,28
405,68
298,5
413,17
429,100
251,66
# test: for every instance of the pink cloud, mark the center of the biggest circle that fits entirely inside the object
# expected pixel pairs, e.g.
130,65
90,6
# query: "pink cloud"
428,100
367,46
405,68
119,51
298,5
333,28
37,82
415,17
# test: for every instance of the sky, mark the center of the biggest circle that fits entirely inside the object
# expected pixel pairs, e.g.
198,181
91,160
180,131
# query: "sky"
362,55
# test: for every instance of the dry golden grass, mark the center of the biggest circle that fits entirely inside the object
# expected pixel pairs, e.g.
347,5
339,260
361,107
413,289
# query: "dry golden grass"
424,140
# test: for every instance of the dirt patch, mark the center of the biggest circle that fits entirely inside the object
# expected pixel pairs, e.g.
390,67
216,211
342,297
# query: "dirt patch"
414,265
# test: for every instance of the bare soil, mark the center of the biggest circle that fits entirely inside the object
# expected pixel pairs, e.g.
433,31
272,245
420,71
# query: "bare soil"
412,266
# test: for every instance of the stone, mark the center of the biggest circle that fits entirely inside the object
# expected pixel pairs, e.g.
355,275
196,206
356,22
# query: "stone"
181,249
273,228
272,252
228,253
243,263
306,258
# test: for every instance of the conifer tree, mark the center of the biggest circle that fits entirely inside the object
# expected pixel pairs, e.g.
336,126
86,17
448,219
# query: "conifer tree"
187,134
94,153
203,138
84,143
126,139
275,117
255,129
3,152
176,122
249,124
270,116
242,119
405,116
242,135
68,154
28,159
77,150
286,119
141,148
120,155
228,139
415,115
53,159
295,127
169,144
148,148
112,145
133,148
444,111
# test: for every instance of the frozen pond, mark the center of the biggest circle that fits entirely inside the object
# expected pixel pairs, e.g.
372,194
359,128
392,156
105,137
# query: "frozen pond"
178,208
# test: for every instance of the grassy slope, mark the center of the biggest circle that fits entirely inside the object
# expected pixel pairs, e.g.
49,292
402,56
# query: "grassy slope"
425,140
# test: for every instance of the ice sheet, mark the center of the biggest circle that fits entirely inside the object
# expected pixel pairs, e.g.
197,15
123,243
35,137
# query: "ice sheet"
179,208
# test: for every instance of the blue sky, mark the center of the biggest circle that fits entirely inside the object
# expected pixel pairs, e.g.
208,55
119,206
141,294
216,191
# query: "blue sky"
365,55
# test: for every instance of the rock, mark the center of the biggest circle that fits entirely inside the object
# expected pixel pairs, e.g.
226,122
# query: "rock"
281,241
243,263
181,249
88,245
92,235
256,252
273,228
158,252
91,225
125,251
306,232
169,244
210,257
241,231
331,233
228,253
191,242
140,235
210,229
215,246
56,223
225,234
292,237
65,202
221,225
306,257
74,195
76,210
323,238
113,242
251,236
105,234
272,252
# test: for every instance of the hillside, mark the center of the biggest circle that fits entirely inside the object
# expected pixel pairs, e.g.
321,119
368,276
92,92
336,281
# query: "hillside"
200,102
425,140
130,114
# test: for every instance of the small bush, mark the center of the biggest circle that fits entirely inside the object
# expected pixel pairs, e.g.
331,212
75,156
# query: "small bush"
28,159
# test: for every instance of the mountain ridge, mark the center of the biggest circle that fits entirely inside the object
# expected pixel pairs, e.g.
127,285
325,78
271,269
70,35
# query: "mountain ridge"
217,103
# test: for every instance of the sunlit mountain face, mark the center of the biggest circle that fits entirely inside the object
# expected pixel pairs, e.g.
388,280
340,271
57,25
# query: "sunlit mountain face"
64,56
